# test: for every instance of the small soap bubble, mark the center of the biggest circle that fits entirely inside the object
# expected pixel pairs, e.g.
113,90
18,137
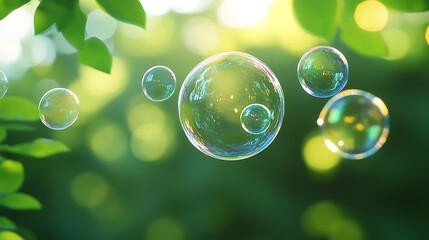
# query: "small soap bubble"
354,124
3,84
323,71
58,108
212,99
255,118
159,83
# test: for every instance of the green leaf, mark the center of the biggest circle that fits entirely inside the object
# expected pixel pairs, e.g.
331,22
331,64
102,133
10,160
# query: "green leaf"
11,176
7,6
406,6
366,43
95,53
42,18
39,148
17,127
18,109
9,236
74,31
20,201
6,224
52,11
318,17
129,11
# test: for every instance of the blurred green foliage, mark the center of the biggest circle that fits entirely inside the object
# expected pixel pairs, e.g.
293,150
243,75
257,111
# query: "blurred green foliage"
133,174
69,19
11,171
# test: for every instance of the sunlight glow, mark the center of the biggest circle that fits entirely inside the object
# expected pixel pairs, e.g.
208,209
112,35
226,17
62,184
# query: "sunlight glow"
99,18
42,51
14,28
290,35
233,14
156,8
158,38
190,6
97,88
371,15
200,36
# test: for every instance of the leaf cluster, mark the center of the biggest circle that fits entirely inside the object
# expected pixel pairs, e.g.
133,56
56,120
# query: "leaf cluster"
329,18
15,114
69,19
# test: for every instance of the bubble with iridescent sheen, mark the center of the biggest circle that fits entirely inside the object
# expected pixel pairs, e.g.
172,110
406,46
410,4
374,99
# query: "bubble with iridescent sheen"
213,97
323,71
58,108
354,123
3,84
159,83
255,118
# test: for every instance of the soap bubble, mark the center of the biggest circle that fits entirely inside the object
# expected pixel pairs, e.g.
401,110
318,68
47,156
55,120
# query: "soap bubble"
255,118
213,97
3,84
354,123
58,108
323,71
159,83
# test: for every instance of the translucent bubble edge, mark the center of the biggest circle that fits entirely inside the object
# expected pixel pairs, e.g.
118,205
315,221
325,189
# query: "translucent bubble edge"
276,84
383,136
172,74
78,108
342,57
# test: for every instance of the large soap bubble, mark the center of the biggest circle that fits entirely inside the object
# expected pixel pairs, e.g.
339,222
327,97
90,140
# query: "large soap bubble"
354,124
213,97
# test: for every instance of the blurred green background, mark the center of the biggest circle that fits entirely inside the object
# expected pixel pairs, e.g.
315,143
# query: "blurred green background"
133,174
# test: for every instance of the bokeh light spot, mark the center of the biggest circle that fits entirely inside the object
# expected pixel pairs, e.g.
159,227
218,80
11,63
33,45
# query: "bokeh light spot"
152,135
99,18
89,189
346,229
398,43
371,15
165,229
317,156
319,219
149,142
108,141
